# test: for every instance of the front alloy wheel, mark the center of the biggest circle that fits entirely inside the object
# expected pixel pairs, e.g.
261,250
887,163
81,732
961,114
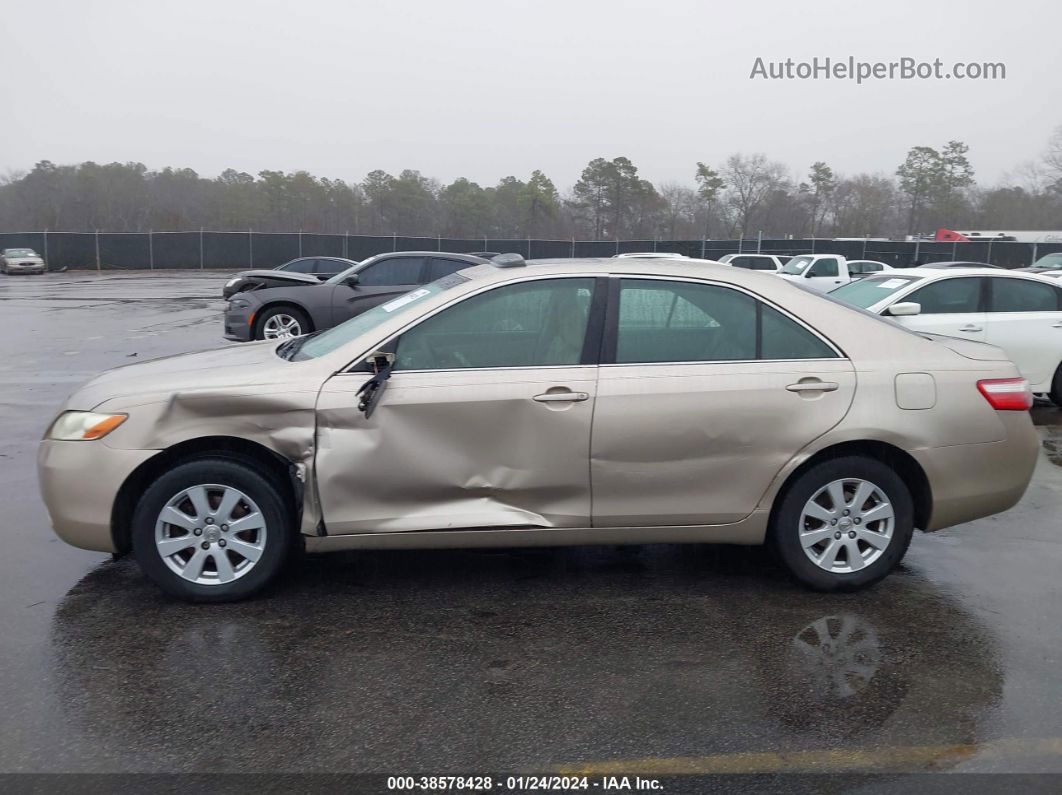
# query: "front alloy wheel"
281,326
210,534
214,529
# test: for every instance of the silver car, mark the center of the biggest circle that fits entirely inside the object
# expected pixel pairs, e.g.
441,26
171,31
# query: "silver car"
21,260
570,402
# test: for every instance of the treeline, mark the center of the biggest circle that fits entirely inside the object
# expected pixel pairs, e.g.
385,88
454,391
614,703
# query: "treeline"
743,194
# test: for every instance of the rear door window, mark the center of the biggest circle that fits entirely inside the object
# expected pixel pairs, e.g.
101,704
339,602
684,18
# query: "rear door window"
666,321
1022,295
300,266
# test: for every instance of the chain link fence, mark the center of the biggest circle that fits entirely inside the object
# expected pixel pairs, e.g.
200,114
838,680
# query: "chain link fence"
247,250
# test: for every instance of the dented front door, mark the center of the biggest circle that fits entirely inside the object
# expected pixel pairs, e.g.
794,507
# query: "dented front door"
449,449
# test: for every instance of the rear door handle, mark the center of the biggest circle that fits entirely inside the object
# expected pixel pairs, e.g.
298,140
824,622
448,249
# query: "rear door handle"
814,386
1057,325
970,328
562,397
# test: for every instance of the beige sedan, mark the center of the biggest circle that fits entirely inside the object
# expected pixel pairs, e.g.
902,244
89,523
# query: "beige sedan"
574,402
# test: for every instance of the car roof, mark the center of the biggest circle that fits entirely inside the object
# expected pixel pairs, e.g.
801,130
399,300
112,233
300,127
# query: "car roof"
322,256
959,264
648,255
943,273
655,266
450,254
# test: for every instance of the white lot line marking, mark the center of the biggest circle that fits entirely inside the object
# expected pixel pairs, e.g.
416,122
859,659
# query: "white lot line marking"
916,757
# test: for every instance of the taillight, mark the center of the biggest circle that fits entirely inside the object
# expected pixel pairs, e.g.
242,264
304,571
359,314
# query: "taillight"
1006,394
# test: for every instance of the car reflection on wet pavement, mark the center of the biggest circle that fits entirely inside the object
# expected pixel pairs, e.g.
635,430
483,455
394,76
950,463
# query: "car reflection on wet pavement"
466,660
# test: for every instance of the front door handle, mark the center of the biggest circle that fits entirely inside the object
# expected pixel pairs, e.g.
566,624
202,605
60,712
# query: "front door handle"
562,397
1057,325
972,329
814,386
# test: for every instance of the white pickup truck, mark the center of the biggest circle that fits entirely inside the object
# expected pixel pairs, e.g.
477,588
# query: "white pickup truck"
827,272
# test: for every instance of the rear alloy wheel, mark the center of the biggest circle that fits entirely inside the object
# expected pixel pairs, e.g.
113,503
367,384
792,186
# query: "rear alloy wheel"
282,323
213,530
843,524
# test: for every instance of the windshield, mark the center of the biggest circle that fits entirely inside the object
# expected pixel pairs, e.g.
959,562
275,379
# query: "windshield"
796,265
1049,261
333,338
19,252
867,292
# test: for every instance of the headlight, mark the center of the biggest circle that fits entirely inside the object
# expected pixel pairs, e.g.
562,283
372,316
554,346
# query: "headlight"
84,425
231,282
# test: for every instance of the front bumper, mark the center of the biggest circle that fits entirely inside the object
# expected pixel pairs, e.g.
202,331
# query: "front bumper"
25,267
971,481
79,482
238,323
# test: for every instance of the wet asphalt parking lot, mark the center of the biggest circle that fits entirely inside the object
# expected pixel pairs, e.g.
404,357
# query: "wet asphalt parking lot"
604,659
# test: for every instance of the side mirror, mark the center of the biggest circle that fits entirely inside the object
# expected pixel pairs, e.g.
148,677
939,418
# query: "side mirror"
378,360
369,392
352,280
904,309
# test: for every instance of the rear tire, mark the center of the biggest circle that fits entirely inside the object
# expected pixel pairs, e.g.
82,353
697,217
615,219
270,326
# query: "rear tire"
212,530
843,524
1056,388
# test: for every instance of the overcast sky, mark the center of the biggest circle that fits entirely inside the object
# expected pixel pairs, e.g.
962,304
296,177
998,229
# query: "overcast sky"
486,88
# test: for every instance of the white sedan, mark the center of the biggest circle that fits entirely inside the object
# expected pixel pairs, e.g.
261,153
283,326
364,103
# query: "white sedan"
1019,312
754,262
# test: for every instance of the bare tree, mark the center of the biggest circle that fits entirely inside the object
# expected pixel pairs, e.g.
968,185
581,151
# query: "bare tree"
750,180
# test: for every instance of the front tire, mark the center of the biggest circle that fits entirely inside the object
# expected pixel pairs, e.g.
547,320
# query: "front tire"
843,524
281,323
212,530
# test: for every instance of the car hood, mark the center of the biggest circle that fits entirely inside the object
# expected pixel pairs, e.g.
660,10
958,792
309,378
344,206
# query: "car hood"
248,365
24,260
300,278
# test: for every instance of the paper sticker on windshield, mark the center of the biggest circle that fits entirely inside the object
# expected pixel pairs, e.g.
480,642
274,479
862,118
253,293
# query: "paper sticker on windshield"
408,298
892,284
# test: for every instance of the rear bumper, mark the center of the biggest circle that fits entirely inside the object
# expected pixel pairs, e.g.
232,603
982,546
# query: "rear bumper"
79,482
971,481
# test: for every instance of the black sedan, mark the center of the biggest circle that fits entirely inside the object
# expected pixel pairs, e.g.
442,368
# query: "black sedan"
298,272
280,312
